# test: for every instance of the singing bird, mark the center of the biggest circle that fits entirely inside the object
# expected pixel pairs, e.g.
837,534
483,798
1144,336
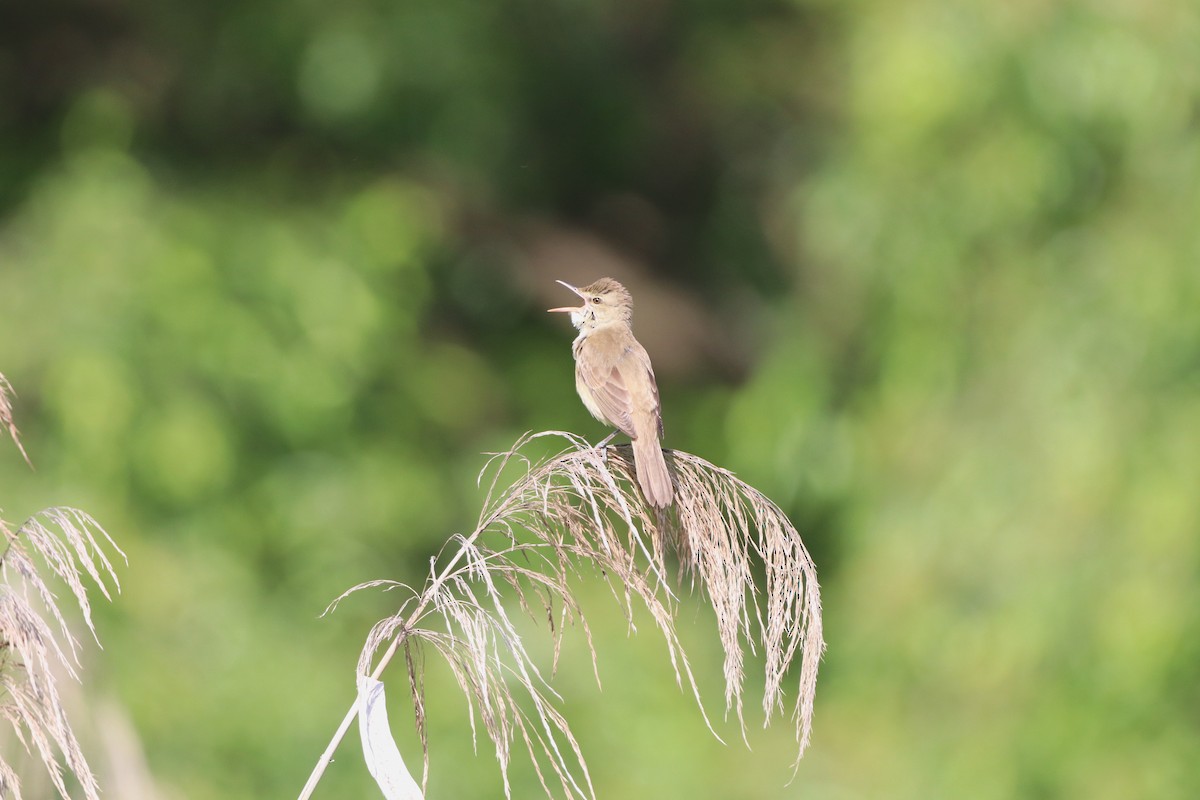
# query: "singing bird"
616,382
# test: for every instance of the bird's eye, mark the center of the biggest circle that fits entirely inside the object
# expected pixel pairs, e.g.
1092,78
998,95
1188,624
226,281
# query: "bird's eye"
595,299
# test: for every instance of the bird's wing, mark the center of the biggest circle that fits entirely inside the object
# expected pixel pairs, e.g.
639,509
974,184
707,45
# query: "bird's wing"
617,379
638,376
608,393
656,410
604,380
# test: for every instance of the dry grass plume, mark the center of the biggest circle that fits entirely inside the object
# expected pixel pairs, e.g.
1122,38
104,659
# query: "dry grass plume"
579,514
35,639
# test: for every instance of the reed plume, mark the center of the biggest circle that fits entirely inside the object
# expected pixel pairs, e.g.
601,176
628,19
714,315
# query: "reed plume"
35,638
579,514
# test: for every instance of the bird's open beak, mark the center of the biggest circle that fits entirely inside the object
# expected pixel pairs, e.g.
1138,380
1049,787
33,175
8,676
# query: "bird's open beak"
567,308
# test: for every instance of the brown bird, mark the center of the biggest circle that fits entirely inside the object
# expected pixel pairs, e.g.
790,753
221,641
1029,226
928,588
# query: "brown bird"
616,382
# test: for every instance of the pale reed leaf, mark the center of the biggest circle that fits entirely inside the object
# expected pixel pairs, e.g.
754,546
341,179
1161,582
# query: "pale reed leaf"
383,758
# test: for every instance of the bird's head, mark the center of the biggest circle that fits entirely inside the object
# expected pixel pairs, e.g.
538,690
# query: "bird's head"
605,302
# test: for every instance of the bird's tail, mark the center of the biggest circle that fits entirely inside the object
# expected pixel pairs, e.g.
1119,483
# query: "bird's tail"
651,469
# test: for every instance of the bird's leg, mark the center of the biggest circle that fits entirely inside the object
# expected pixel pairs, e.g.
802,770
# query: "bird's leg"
603,446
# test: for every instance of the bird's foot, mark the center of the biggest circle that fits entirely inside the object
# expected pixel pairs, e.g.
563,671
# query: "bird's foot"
603,446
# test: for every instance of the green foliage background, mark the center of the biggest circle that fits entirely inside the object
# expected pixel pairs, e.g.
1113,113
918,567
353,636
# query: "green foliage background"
267,293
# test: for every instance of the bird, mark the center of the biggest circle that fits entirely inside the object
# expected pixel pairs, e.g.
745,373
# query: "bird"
615,380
